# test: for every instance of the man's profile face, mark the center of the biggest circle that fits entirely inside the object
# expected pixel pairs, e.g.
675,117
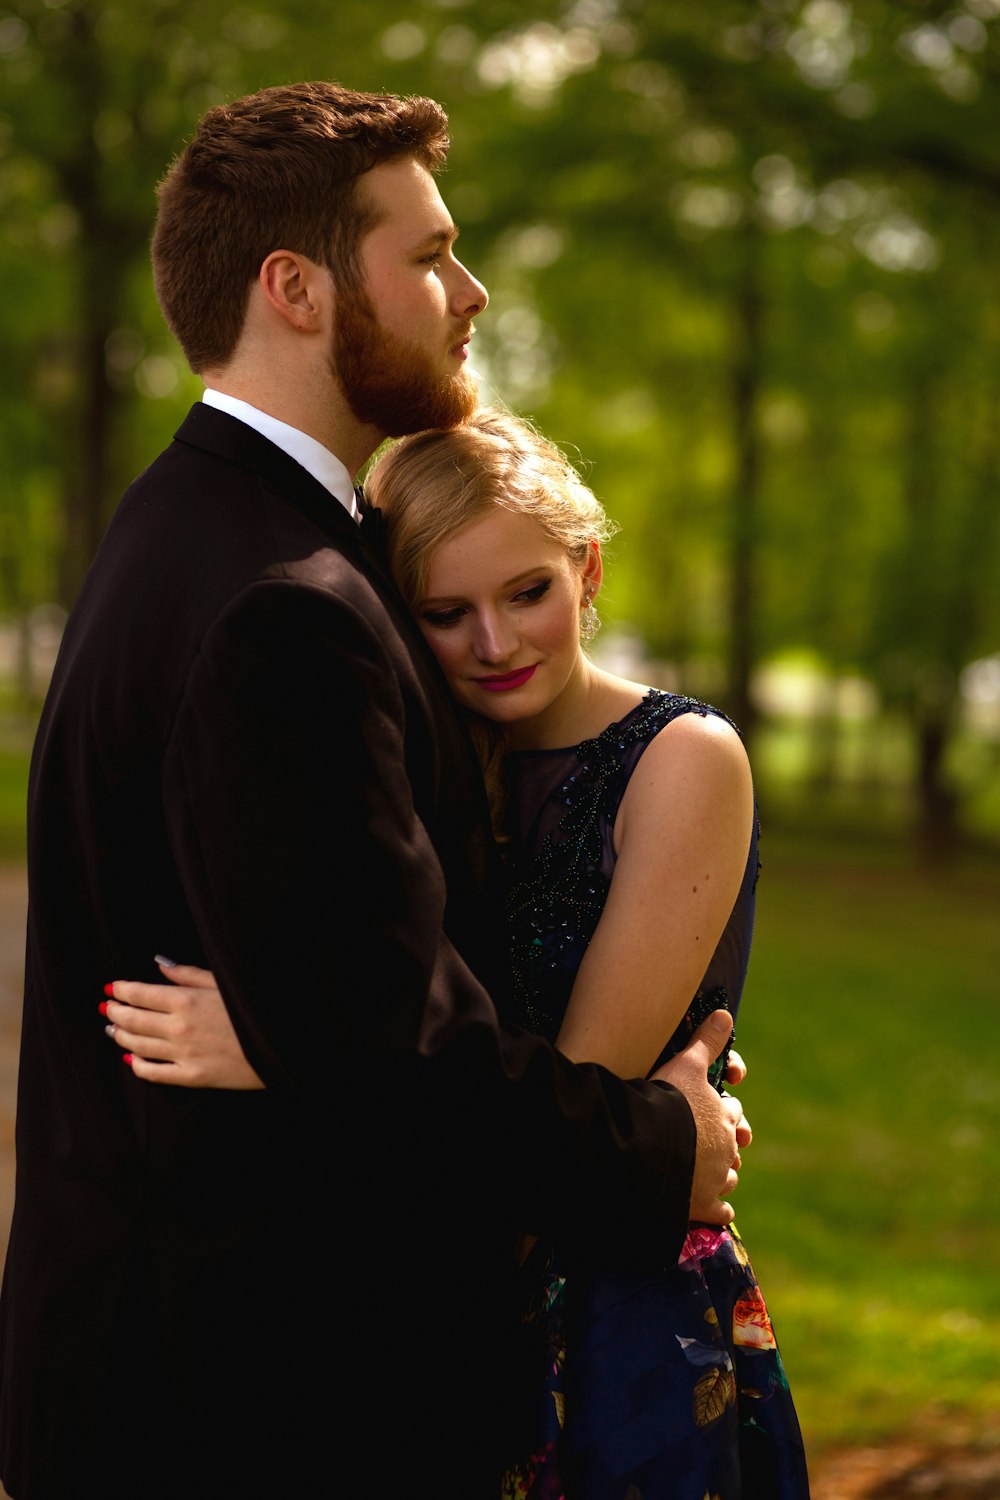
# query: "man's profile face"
400,344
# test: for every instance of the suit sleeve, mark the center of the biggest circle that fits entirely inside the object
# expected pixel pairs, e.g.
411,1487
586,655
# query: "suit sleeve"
320,901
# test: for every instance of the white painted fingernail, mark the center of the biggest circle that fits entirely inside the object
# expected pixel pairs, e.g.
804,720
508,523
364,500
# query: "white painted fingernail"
110,1030
164,963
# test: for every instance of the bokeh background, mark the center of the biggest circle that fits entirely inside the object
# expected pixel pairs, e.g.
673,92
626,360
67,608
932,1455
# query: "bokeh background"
743,257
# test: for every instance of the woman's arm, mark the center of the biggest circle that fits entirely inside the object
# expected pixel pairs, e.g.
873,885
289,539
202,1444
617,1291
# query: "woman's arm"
180,1033
682,836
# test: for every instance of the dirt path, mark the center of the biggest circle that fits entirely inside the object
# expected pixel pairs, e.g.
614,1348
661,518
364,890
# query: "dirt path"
912,1471
13,906
969,1469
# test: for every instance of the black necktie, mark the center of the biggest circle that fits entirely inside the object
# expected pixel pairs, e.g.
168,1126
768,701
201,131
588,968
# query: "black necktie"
372,526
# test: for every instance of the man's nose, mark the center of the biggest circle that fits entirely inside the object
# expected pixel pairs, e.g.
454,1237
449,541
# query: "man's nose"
469,297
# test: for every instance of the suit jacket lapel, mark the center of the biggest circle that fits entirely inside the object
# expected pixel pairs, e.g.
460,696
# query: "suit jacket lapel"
214,431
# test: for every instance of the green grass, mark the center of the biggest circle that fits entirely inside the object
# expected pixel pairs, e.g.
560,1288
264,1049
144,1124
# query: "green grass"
14,757
872,1031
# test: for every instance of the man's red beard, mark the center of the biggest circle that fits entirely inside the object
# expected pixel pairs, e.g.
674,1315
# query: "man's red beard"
389,383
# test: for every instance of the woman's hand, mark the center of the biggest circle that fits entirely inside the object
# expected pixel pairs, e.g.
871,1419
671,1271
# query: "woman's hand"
178,1033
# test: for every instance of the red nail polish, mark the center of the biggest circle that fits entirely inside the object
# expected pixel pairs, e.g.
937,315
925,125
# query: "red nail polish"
109,990
103,1007
127,1059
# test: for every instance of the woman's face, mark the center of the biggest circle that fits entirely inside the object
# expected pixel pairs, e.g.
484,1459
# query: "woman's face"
501,612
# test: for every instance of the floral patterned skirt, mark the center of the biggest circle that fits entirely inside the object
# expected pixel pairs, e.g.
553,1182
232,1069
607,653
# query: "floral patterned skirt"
665,1387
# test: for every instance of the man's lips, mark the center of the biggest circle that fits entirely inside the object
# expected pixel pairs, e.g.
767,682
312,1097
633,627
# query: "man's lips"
505,680
461,349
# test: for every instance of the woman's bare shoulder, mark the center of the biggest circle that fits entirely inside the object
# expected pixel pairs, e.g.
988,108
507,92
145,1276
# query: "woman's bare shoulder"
697,758
705,739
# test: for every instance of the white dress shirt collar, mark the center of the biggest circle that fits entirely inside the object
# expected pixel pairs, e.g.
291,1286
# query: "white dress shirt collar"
317,460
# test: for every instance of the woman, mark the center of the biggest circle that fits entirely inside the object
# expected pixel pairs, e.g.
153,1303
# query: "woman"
628,820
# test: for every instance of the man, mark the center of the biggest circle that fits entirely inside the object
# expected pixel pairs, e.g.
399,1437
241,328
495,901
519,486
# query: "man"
247,758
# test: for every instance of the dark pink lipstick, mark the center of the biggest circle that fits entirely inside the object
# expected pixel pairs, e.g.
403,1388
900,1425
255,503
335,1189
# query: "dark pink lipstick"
507,680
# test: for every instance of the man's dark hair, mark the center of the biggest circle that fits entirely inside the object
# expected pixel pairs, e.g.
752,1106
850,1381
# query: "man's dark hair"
276,170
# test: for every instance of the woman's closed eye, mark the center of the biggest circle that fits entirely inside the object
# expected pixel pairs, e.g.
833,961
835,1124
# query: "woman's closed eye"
441,619
533,593
444,618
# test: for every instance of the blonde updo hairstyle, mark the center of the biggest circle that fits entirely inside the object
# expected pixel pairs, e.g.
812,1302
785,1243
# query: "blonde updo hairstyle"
432,484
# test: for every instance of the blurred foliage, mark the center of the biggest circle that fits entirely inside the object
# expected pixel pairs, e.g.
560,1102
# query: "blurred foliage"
741,256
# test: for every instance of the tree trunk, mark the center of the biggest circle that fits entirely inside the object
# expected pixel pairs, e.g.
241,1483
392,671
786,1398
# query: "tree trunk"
86,496
106,248
937,818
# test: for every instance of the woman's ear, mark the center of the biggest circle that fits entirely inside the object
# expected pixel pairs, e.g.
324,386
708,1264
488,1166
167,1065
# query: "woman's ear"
590,581
593,571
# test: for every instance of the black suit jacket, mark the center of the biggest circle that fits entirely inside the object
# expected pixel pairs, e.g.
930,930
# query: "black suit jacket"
247,759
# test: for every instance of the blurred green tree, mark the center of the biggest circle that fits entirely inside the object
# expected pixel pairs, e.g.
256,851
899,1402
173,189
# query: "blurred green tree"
742,255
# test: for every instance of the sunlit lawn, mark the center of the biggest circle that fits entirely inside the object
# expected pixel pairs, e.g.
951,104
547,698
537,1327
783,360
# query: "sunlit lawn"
872,1028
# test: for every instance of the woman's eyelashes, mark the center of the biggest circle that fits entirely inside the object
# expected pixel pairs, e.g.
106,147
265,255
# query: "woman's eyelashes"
534,592
441,619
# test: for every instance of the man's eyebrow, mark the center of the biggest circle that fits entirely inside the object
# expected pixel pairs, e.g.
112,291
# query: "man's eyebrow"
447,235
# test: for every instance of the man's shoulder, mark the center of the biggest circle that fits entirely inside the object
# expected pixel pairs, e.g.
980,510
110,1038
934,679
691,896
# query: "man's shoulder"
242,498
197,536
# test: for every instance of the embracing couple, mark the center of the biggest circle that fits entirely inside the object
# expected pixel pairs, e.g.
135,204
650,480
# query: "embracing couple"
445,1249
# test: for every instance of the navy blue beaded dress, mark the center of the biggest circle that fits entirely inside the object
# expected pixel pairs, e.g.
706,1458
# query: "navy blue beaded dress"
666,1386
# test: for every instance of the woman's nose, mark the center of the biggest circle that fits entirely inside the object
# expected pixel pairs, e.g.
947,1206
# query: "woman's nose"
494,642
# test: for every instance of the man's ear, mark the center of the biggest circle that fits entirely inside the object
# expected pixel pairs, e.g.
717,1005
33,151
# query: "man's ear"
297,289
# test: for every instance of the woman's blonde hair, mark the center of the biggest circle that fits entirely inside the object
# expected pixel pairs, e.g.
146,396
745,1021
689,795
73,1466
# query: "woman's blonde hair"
432,484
